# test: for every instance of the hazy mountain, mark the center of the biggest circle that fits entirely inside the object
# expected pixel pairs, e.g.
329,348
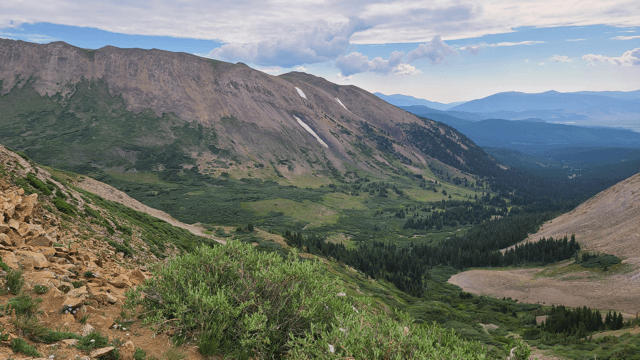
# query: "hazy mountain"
532,136
405,100
151,110
550,100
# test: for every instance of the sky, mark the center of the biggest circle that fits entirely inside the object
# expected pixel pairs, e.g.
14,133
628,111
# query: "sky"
445,51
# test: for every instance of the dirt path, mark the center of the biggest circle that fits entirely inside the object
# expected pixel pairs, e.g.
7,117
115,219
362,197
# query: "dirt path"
110,193
616,292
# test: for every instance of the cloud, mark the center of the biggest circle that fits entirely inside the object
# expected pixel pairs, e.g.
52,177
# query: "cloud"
560,58
629,58
301,68
576,39
477,48
271,70
435,51
322,43
345,78
355,63
406,69
541,64
626,37
255,21
36,38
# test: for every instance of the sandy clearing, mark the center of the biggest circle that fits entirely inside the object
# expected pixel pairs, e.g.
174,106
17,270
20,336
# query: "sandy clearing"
617,292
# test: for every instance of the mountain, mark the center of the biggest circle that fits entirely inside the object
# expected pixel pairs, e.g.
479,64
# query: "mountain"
532,136
405,100
608,222
550,100
134,110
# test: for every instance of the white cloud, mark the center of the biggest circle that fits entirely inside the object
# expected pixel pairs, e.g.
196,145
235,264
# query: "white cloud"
560,58
435,51
477,48
301,68
344,78
36,38
541,64
527,61
357,63
629,58
322,43
244,22
406,69
626,37
576,39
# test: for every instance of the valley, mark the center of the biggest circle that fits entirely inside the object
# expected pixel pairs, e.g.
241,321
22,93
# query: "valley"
426,223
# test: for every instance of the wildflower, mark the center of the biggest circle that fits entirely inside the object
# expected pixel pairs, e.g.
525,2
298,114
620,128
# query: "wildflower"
342,294
332,349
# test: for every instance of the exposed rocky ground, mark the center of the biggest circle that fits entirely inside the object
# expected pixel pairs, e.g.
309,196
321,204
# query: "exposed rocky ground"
81,281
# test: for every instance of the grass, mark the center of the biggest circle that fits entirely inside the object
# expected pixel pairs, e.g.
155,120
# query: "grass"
313,214
20,345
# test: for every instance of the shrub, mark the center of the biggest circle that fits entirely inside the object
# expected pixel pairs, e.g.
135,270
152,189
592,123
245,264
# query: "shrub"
94,340
20,345
251,304
15,282
40,289
38,184
63,206
23,305
139,354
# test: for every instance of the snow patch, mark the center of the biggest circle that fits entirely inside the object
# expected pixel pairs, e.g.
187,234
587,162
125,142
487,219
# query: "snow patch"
340,102
310,130
301,93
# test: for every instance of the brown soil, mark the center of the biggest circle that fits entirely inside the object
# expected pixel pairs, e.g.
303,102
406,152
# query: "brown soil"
617,292
607,223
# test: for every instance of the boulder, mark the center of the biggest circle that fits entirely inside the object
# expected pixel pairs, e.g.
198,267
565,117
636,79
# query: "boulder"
38,260
98,353
120,281
41,240
76,297
5,240
9,258
87,329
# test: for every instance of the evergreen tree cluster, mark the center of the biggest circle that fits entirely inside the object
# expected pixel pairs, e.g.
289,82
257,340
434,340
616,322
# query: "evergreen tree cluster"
580,321
407,267
545,251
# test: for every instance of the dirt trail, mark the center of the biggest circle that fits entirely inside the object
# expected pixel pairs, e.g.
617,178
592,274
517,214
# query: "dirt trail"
110,193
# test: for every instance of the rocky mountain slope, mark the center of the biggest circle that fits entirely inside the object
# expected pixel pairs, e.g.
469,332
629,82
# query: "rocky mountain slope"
149,110
78,256
608,222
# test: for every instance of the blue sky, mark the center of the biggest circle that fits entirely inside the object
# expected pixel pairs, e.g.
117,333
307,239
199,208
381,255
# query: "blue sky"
439,50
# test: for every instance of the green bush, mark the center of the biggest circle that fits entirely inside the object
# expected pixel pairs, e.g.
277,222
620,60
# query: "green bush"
40,289
15,282
23,305
251,304
20,345
93,340
63,206
38,184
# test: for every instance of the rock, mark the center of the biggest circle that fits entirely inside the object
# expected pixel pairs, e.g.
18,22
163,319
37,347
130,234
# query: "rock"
41,240
120,281
3,227
99,263
137,277
76,297
70,342
38,260
5,240
87,329
9,258
67,318
127,350
105,297
98,353
14,224
100,322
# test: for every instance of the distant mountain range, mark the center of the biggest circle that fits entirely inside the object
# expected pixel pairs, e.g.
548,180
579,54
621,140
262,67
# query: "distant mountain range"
593,108
405,100
531,137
